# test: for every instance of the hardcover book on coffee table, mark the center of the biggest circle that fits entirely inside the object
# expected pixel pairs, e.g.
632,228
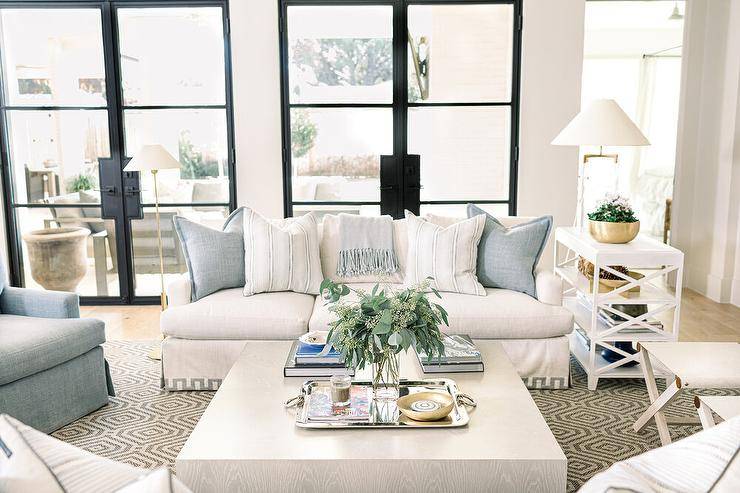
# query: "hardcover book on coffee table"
461,356
293,368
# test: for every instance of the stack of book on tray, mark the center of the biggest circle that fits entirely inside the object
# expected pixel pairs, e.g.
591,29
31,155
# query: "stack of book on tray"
308,360
321,409
461,356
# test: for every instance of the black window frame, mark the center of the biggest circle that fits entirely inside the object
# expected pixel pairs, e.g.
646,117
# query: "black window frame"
400,104
116,133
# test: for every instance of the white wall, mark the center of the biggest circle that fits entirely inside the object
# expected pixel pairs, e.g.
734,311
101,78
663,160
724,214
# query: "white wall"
707,195
256,78
552,60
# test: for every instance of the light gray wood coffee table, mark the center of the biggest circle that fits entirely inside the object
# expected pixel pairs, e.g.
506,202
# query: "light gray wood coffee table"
247,441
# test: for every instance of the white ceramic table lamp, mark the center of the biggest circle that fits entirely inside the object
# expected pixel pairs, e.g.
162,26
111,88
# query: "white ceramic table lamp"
601,123
154,158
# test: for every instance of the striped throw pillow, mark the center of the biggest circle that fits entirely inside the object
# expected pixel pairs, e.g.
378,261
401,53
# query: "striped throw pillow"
281,255
446,254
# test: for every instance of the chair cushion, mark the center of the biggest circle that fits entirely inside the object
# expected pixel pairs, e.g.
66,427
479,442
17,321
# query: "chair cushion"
34,461
228,314
500,314
30,345
706,461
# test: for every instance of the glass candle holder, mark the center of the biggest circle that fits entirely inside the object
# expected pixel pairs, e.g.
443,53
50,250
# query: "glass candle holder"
340,385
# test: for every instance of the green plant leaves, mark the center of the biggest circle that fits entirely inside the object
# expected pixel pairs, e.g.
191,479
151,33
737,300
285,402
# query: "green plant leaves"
380,323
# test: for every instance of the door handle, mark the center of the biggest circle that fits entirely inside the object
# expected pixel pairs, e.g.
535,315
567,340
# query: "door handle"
131,190
386,188
109,190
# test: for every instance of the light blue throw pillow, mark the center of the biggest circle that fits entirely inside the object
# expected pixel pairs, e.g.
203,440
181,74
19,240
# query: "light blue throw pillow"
507,257
215,258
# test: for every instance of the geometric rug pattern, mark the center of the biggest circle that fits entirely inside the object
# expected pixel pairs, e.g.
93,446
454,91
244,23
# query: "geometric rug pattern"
146,427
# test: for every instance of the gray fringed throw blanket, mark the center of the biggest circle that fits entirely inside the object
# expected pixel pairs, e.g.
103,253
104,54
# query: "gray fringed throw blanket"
365,246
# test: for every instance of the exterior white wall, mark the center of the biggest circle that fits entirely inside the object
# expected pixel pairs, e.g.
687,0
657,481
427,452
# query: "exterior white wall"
707,194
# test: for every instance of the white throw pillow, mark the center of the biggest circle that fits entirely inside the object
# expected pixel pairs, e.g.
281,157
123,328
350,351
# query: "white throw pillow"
281,255
446,254
159,480
21,469
36,462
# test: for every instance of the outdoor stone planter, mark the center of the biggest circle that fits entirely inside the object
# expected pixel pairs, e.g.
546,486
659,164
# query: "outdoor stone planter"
58,257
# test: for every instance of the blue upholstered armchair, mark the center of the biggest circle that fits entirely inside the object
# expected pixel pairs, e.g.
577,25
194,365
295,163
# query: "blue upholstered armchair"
52,369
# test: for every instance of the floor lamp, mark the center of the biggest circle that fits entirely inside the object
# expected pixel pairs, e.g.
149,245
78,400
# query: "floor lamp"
601,123
154,158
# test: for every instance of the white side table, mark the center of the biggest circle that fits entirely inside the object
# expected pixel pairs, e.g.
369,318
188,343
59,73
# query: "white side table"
651,257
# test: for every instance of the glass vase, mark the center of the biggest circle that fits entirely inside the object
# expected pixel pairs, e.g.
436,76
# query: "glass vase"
386,376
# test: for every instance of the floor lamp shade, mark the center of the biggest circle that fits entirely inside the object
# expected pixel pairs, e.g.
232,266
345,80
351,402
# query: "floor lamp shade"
152,157
601,123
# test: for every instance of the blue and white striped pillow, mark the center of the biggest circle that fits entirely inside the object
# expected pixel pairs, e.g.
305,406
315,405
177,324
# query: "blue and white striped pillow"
281,255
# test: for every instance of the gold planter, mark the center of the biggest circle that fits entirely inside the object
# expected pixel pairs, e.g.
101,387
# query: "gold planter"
606,232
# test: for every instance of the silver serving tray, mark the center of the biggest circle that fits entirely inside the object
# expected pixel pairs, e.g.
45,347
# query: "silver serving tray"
389,416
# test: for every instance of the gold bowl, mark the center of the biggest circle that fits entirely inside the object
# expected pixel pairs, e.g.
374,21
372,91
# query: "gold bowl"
426,406
606,232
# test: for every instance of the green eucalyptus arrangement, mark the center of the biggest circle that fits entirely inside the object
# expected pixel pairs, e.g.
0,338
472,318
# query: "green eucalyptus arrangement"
613,209
376,326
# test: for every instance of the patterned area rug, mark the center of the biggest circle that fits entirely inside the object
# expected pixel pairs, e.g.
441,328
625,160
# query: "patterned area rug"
146,427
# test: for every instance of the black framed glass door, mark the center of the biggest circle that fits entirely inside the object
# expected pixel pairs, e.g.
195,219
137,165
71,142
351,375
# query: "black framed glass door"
85,85
401,104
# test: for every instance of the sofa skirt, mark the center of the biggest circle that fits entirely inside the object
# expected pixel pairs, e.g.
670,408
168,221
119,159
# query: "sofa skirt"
60,395
542,363
192,364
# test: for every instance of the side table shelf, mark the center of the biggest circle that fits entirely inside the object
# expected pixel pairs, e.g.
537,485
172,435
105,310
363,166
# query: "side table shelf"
656,261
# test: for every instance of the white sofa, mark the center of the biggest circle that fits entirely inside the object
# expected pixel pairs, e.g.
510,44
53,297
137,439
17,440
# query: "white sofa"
204,338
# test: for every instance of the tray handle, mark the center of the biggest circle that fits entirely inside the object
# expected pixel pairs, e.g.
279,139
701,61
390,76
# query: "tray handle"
466,400
296,401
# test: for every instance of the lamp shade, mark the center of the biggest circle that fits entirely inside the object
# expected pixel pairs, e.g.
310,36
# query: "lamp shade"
602,123
152,157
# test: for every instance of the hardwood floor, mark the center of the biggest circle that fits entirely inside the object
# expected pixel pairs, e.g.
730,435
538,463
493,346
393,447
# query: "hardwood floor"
701,320
127,323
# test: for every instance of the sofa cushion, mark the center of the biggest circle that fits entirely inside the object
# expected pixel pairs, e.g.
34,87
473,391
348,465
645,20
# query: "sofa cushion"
281,255
34,461
507,257
30,345
447,255
500,314
228,314
215,258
